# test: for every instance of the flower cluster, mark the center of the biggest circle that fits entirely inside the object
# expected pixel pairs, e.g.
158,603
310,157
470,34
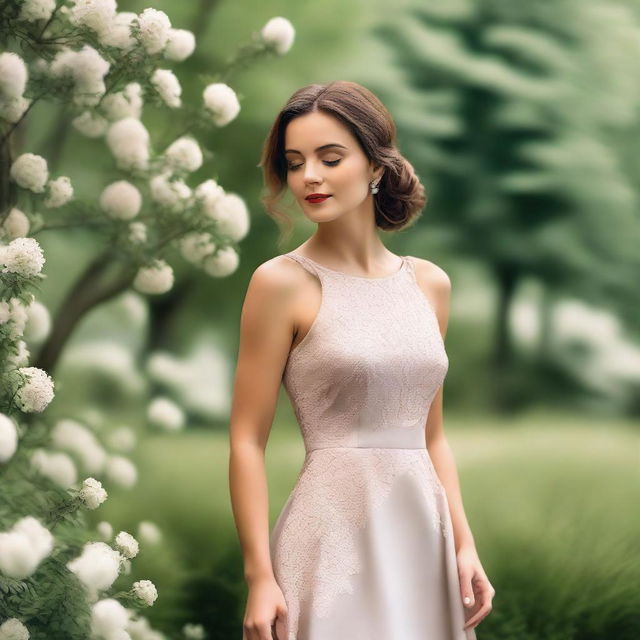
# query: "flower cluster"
24,547
106,67
13,82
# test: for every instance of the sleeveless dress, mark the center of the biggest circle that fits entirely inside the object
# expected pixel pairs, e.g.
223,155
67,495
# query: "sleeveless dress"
363,548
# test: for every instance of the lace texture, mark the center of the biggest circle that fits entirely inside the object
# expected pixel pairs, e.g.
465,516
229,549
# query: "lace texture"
373,358
337,491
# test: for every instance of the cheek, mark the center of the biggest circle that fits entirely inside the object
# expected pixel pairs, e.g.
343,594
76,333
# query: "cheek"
351,183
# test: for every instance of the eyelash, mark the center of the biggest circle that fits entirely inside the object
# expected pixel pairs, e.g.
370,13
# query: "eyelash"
331,163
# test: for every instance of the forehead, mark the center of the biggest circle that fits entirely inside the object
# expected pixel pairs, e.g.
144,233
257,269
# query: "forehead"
306,133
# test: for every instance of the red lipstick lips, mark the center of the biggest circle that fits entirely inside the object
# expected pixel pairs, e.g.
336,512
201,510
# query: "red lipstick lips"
316,198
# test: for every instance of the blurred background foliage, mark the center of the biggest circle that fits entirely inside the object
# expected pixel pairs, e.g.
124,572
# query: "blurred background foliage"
522,121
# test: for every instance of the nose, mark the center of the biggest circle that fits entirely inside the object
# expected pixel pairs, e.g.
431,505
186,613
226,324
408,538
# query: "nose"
311,175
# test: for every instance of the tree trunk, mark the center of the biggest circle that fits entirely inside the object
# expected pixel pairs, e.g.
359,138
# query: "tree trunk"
87,294
502,360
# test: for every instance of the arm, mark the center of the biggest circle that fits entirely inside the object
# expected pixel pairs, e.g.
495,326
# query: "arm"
437,282
476,590
266,331
444,462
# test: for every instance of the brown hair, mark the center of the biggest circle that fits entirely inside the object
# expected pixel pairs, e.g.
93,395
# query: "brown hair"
401,197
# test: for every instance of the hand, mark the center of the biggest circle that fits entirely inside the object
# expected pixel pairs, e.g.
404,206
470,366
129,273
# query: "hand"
265,609
474,585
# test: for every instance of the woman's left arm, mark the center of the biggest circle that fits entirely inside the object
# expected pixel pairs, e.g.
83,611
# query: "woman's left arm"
476,590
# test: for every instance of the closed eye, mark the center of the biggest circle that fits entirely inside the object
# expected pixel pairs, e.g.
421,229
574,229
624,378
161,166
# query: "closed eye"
330,163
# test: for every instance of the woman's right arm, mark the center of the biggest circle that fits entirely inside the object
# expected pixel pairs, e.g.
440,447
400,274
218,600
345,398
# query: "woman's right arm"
266,333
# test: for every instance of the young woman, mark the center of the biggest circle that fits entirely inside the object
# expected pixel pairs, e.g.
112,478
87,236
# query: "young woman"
373,542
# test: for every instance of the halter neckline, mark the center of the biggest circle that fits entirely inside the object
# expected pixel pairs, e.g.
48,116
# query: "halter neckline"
353,275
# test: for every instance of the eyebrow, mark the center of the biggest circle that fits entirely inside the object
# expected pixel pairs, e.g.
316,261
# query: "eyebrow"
324,146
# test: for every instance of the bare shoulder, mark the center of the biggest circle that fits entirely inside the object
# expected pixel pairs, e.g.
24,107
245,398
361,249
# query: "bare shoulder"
433,276
436,286
275,279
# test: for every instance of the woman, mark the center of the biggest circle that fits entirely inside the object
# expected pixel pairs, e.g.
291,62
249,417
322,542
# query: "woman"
373,542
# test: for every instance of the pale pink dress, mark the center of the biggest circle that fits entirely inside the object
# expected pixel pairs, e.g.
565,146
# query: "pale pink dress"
363,548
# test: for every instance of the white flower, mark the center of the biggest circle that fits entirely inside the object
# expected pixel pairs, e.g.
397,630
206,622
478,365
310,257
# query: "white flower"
58,467
155,278
223,263
165,414
146,591
168,86
22,256
90,124
97,567
13,75
38,323
105,530
121,200
15,225
118,32
92,494
193,631
121,472
127,544
231,216
93,418
172,194
33,10
128,141
30,172
194,246
24,547
62,63
122,439
87,68
13,629
184,154
71,436
140,629
14,312
149,532
36,391
94,14
12,109
279,33
127,103
21,358
109,620
155,28
137,233
222,102
180,46
60,192
8,438
209,193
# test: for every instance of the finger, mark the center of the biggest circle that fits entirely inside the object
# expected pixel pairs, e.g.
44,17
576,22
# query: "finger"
466,590
265,631
478,616
284,624
281,629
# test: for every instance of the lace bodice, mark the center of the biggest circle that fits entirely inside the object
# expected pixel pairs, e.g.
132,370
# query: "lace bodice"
371,364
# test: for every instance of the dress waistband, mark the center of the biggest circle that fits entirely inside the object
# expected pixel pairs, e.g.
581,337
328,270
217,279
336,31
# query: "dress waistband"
382,438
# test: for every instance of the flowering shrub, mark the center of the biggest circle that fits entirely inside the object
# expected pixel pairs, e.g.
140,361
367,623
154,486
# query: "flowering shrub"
103,65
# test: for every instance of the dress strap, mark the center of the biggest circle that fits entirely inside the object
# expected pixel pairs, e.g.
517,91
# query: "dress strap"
411,267
307,264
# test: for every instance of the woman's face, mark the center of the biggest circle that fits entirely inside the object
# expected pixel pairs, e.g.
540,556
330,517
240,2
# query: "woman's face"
323,157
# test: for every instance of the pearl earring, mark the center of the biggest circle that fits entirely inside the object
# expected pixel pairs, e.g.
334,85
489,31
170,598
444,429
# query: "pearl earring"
374,187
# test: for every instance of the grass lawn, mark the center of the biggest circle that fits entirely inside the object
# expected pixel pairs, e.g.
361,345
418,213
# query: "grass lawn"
551,499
